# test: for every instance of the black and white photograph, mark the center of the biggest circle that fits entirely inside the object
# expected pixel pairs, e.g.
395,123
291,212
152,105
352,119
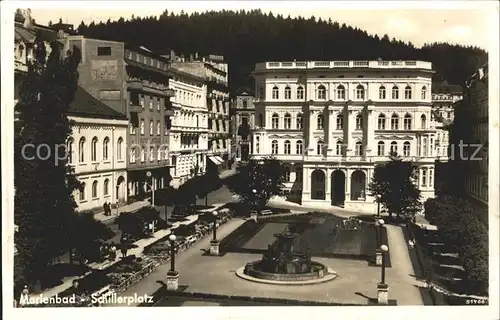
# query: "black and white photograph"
239,154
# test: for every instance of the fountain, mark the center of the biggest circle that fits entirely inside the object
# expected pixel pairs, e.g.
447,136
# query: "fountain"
283,263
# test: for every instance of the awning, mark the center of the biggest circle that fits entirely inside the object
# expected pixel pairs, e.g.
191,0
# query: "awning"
215,160
219,159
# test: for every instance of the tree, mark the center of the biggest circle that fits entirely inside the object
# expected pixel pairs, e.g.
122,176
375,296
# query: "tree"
44,208
89,236
264,176
393,183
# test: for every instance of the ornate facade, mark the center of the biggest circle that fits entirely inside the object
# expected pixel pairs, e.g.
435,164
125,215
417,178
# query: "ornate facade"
243,111
331,122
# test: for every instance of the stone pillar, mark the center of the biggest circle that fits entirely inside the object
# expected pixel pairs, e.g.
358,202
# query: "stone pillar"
172,280
350,124
348,185
382,293
369,137
311,127
328,184
306,181
214,247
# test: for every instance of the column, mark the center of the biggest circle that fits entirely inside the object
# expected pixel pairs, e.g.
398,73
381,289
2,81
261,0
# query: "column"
428,145
369,137
293,173
328,182
311,127
419,180
326,129
348,185
348,127
306,180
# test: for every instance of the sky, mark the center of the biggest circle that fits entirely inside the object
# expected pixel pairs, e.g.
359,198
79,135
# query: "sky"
457,22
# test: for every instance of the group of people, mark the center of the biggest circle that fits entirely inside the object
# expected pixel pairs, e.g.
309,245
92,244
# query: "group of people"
107,208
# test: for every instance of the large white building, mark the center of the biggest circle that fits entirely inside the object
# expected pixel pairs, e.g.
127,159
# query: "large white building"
189,132
331,122
97,150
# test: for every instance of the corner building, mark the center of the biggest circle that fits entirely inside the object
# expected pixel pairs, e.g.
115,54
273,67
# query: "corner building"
331,122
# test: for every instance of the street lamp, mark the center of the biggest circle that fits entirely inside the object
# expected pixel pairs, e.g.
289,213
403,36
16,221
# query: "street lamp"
384,250
254,191
172,275
378,205
215,213
379,223
150,175
382,287
214,243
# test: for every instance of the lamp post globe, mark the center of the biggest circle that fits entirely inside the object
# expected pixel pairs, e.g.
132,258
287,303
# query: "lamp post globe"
148,174
381,222
254,191
215,213
172,237
384,248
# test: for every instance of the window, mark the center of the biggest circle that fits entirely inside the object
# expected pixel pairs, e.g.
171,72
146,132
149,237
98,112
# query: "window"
395,93
131,129
431,177
394,147
276,93
424,147
69,150
382,93
132,155
141,101
394,122
82,192
358,151
119,146
360,92
381,122
275,121
339,148
286,174
94,190
380,148
300,93
299,121
424,177
408,93
151,153
106,187
151,125
288,147
288,121
274,147
151,103
103,51
340,122
288,93
407,122
105,149
142,126
319,147
321,94
257,145
157,101
159,152
319,122
93,150
143,155
423,93
359,122
298,147
261,120
406,149
245,104
340,92
423,121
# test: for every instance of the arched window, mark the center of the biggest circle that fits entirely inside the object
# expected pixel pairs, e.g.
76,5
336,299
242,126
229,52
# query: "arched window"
274,147
381,93
287,121
408,93
358,148
69,150
94,189
300,92
261,120
93,150
321,94
106,187
423,121
340,122
406,149
395,93
423,93
320,121
143,155
394,147
245,104
288,93
319,147
299,121
151,127
298,147
158,154
339,148
142,126
275,121
82,191
288,147
119,146
286,174
340,92
381,122
381,148
276,93
424,147
407,122
359,122
151,153
158,126
360,92
105,149
394,122
133,155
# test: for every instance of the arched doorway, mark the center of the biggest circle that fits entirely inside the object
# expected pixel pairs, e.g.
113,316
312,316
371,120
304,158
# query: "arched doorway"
318,185
358,185
121,190
338,187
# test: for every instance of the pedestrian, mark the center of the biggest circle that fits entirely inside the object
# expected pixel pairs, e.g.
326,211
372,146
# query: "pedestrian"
105,208
124,250
112,252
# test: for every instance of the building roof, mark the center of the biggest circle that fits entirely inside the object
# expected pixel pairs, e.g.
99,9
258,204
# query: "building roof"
86,105
445,87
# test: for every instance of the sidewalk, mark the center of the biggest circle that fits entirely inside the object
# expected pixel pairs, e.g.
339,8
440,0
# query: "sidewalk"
126,208
279,202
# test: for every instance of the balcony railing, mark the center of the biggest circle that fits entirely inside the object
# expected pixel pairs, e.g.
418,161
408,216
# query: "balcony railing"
412,64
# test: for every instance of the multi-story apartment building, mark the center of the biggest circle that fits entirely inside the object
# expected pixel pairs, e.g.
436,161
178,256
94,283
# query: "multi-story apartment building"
331,122
97,152
215,72
243,119
472,116
189,133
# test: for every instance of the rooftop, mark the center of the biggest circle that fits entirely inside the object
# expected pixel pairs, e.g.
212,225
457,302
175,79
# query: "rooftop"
86,105
377,64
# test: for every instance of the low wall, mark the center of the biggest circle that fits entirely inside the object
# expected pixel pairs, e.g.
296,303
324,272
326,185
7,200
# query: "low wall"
320,271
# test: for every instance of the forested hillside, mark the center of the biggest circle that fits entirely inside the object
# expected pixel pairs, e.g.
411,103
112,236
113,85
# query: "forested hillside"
247,37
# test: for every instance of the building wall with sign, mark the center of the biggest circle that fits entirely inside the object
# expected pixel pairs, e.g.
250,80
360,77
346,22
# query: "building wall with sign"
331,122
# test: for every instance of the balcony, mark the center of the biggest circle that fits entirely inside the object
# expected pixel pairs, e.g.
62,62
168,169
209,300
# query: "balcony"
413,64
